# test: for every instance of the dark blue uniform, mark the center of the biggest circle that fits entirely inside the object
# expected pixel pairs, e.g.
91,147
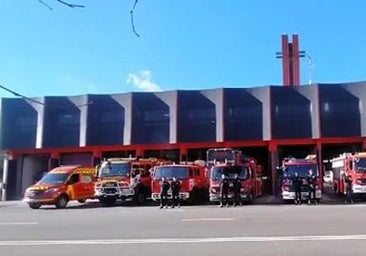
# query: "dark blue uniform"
175,185
224,191
164,193
297,183
311,180
349,197
237,188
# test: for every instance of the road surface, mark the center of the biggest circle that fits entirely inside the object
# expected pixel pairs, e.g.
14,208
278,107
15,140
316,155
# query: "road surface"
89,229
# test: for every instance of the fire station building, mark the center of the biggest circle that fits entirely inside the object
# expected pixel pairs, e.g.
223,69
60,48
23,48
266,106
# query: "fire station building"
269,123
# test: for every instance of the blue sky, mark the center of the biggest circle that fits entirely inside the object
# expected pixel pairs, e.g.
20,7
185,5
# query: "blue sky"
184,44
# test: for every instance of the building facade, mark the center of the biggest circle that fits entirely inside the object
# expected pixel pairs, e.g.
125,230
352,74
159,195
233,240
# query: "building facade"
267,122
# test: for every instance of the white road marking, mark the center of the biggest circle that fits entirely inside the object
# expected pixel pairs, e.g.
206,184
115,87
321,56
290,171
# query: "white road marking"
183,240
208,219
17,223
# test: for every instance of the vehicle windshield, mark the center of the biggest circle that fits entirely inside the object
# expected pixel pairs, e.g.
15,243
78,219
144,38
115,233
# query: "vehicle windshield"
301,169
180,172
111,170
361,165
54,178
220,155
230,172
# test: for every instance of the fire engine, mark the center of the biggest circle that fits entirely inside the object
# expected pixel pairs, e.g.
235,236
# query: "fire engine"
230,162
348,164
126,179
192,176
290,166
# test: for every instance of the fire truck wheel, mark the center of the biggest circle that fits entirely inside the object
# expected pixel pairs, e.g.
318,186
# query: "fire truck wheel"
62,202
140,198
34,205
108,201
82,201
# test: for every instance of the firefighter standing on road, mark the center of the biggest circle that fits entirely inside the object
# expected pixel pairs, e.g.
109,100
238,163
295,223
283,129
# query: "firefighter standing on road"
311,180
175,185
164,193
237,188
349,196
224,191
297,183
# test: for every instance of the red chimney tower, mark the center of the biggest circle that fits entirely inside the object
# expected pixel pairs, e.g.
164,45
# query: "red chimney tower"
290,56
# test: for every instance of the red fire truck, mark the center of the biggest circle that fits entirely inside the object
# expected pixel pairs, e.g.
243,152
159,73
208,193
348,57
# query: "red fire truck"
230,162
193,178
290,166
348,164
127,179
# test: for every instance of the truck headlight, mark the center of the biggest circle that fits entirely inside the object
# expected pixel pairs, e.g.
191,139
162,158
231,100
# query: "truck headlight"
51,190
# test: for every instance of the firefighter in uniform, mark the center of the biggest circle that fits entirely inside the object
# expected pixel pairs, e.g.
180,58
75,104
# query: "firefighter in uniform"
164,193
311,180
349,196
297,183
175,185
224,191
237,188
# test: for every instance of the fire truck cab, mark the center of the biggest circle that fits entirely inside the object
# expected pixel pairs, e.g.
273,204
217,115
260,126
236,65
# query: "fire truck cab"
289,167
126,179
353,165
231,162
192,176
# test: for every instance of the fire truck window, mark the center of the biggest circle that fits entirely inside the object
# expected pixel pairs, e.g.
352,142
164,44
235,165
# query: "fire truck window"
197,172
190,173
86,179
74,179
144,171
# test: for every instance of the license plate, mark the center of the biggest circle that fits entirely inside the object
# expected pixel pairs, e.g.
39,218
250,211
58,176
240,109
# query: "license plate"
125,192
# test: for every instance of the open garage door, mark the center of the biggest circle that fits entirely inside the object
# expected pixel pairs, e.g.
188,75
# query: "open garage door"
331,151
77,159
33,168
171,154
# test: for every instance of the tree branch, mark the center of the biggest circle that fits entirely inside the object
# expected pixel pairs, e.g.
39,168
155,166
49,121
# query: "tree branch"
70,5
49,7
132,21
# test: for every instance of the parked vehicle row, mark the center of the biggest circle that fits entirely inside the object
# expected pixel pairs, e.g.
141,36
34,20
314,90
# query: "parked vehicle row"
138,179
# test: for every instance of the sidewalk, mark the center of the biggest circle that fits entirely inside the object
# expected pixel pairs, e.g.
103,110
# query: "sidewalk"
11,203
276,199
268,199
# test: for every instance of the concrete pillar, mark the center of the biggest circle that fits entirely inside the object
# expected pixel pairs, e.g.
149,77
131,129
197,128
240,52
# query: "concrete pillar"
139,152
183,154
97,157
273,155
319,156
54,160
5,179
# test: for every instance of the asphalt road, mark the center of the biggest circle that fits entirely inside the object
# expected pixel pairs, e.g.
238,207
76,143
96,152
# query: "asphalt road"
89,229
